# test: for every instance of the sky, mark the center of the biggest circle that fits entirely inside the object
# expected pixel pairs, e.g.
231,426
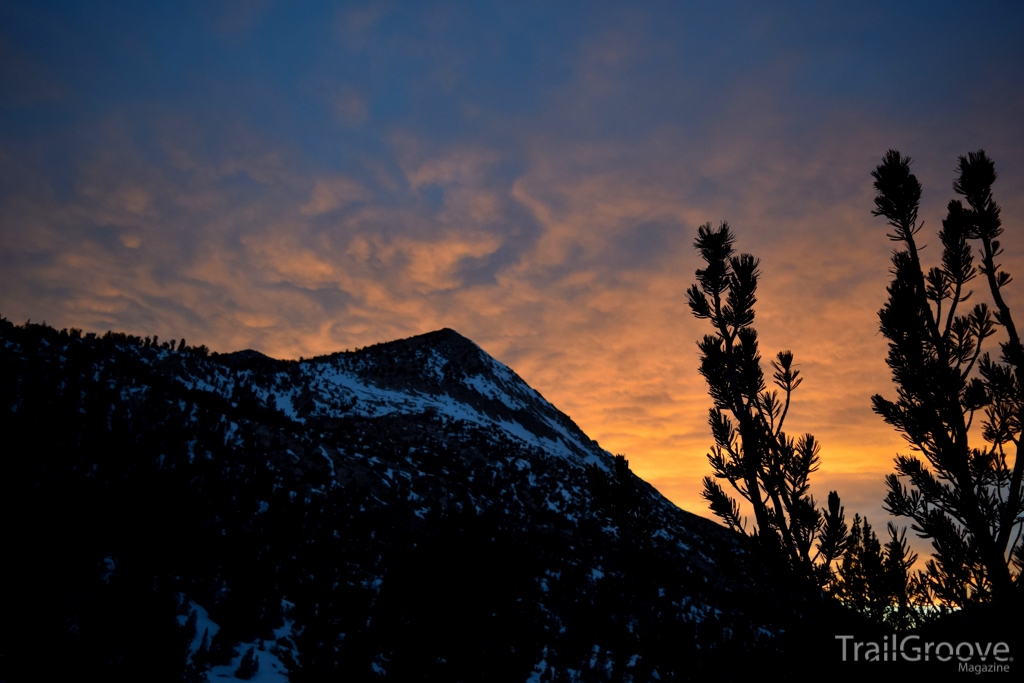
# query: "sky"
307,177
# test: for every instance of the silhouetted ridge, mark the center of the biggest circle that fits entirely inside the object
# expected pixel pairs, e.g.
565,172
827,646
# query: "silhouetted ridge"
413,508
247,359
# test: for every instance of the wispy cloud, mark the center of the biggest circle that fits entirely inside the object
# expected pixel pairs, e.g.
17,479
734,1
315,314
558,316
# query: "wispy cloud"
540,196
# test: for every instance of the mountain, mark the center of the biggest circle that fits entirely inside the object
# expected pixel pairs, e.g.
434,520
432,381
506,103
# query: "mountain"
412,510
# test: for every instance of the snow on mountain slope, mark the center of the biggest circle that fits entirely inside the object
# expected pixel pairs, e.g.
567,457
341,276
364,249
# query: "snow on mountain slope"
440,372
444,377
390,495
439,377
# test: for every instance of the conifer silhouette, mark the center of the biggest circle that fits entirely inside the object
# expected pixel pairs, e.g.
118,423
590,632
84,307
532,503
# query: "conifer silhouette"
767,467
876,580
249,666
965,498
617,496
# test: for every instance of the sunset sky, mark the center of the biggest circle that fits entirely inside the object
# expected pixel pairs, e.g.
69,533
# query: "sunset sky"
306,177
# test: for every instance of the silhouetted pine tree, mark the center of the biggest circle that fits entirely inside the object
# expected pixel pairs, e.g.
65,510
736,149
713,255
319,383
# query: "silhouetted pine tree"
860,580
911,604
249,666
876,581
966,499
767,467
618,497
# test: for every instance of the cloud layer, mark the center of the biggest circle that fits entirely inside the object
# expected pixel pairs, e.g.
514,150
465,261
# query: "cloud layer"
304,180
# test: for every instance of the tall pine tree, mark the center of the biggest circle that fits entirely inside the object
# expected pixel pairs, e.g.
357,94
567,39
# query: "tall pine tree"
965,498
767,467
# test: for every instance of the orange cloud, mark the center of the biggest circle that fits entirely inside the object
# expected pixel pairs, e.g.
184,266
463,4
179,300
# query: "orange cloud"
332,193
585,253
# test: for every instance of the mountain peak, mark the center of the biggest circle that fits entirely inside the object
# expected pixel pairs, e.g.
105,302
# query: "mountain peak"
443,334
445,372
445,343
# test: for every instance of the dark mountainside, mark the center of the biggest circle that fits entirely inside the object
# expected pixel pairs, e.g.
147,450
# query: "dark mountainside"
410,511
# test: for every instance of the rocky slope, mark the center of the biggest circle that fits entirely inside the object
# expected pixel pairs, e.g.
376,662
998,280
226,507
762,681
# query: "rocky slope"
410,511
